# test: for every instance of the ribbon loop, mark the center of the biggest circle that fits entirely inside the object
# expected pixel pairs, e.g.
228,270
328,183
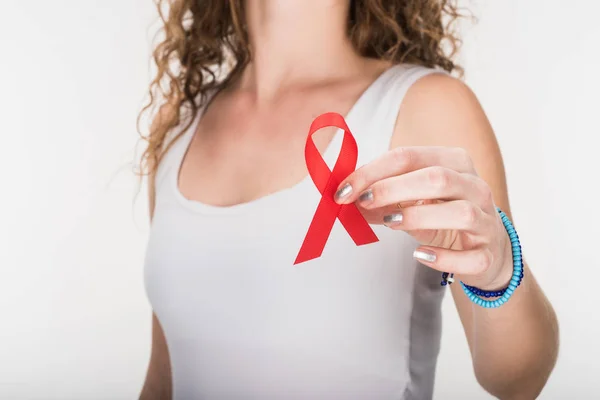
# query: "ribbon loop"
327,182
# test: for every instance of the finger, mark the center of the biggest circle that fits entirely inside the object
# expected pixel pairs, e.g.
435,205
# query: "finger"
404,204
428,183
401,160
376,216
457,214
464,262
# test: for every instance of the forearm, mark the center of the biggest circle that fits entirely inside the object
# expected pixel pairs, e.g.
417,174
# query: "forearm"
514,347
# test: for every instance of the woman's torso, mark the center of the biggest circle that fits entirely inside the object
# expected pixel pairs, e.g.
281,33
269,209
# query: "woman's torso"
241,321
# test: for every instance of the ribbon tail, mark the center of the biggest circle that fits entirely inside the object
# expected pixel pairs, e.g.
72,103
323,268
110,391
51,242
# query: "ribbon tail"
356,225
318,231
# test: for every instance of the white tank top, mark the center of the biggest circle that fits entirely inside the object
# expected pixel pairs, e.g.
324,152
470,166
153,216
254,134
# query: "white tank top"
242,322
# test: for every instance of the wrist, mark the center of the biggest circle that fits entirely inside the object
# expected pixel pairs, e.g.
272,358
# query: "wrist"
503,278
478,295
505,272
497,277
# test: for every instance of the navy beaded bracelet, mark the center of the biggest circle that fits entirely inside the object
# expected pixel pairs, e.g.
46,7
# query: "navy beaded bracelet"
476,294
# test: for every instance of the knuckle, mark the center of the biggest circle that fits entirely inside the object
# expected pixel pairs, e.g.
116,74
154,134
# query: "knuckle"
439,177
483,192
484,261
463,155
487,197
359,177
461,152
402,157
468,213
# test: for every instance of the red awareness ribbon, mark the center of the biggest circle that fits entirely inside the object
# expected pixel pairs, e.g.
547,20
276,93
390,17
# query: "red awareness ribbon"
327,182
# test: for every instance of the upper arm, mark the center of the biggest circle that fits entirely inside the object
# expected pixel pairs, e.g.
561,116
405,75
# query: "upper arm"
439,110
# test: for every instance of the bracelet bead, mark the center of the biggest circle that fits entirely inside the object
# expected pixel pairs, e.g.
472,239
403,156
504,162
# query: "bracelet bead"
478,296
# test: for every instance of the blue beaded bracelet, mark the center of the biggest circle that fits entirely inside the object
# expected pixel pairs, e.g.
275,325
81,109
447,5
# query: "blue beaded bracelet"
476,294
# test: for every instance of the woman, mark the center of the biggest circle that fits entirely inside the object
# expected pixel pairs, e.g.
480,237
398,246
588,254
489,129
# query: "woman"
232,201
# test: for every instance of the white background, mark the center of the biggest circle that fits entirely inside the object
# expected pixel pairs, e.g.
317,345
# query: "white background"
74,319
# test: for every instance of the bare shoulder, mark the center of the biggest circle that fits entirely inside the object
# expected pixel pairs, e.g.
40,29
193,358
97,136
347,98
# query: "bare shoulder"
440,110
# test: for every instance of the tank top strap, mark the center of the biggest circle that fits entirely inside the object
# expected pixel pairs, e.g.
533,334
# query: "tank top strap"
374,121
172,157
168,169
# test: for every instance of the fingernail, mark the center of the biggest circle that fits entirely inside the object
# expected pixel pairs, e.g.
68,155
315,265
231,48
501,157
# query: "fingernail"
366,197
424,255
343,192
393,219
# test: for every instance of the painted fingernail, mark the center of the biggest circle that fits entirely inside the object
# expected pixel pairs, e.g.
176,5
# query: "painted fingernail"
424,255
366,197
393,219
343,192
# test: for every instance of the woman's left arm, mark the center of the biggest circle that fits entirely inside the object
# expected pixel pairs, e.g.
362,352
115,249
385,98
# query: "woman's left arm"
448,199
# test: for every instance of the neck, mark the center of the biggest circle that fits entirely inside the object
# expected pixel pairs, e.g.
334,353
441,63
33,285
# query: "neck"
295,42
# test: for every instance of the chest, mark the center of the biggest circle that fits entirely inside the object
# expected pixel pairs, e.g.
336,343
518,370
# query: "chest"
228,294
240,152
237,272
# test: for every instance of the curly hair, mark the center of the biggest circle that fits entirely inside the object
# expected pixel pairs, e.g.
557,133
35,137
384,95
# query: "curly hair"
205,45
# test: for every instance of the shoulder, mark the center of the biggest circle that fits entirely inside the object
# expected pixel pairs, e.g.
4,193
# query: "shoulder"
440,110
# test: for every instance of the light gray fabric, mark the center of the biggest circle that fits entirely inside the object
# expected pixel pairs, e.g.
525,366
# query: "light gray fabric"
241,322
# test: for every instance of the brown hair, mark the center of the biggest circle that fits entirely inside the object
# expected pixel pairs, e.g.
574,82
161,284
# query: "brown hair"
201,39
